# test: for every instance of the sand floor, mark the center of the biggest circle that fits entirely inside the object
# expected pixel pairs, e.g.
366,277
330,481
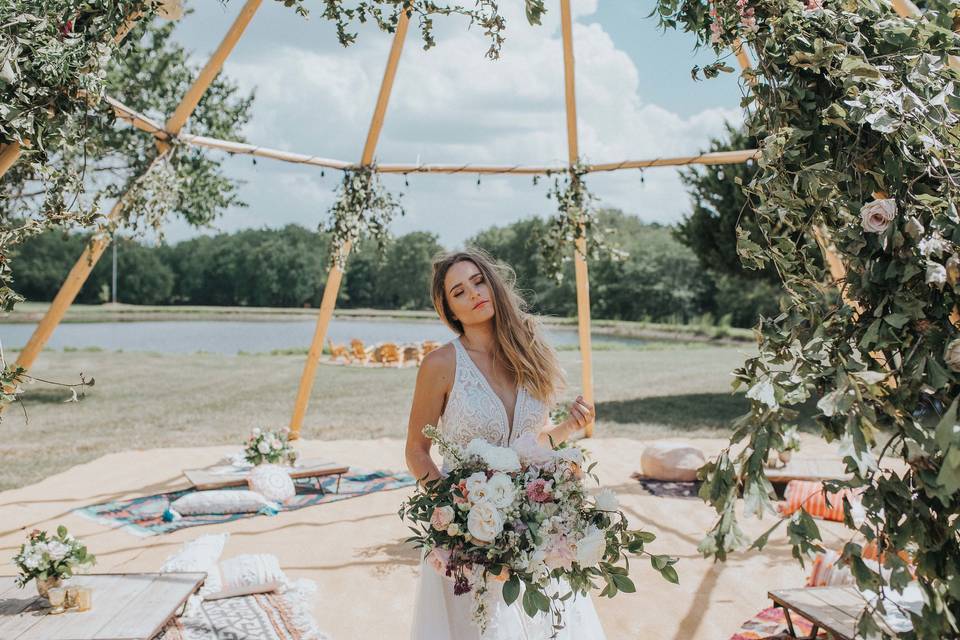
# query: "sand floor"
366,575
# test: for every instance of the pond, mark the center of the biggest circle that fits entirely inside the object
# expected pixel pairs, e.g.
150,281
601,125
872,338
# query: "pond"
231,336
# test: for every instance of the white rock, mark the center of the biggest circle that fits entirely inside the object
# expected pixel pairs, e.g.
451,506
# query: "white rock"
671,461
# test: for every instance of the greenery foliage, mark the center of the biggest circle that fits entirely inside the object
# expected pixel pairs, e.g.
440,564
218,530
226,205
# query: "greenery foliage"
854,109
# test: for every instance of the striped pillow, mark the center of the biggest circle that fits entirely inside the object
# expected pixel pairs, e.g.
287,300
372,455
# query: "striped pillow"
809,496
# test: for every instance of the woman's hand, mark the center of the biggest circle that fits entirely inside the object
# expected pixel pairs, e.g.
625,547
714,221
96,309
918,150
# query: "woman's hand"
582,413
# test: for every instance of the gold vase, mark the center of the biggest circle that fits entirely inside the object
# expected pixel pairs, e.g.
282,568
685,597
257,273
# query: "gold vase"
45,584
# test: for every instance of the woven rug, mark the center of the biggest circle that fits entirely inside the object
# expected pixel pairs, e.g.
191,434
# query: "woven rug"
144,516
771,624
667,488
267,616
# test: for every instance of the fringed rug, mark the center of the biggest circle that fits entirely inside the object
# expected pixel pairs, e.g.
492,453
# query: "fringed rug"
267,616
144,516
771,624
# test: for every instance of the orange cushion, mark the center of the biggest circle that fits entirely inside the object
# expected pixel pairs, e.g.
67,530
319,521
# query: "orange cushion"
808,495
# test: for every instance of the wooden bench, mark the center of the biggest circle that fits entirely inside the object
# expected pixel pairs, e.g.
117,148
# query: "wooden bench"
228,476
126,606
836,610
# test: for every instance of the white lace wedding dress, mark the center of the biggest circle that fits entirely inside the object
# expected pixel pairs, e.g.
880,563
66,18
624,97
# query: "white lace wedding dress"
474,410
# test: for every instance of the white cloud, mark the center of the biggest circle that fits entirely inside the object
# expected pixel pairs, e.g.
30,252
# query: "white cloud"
450,104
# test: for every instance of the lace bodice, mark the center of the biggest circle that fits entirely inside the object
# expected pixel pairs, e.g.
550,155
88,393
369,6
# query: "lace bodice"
474,410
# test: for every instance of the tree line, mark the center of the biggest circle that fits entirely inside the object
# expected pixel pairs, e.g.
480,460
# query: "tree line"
661,279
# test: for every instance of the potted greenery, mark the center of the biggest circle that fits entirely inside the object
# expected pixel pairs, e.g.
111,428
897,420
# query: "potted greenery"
49,559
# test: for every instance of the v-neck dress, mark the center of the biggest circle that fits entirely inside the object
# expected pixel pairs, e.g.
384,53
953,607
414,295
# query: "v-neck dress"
474,410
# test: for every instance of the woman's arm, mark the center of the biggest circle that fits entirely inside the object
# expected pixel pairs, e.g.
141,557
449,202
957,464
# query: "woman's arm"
433,383
582,413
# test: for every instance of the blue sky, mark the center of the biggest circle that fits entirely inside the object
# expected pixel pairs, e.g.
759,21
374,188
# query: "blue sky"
450,104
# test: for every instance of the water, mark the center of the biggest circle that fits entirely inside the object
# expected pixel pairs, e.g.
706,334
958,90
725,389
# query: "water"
230,337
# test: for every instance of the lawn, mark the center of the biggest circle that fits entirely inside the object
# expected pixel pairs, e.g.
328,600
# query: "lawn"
145,400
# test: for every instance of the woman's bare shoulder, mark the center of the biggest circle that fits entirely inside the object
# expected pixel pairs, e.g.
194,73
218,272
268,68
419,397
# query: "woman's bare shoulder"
440,364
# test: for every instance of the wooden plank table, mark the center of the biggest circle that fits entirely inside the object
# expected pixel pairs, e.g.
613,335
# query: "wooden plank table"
223,476
836,610
126,606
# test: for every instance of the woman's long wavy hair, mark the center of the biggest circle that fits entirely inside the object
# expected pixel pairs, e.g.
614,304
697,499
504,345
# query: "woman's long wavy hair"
519,345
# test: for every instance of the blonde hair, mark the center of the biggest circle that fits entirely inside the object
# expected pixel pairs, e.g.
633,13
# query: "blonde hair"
519,344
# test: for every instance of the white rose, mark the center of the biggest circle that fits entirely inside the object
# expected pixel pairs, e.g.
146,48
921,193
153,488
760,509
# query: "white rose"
606,500
500,491
57,550
477,448
263,447
484,522
256,432
531,452
876,216
936,275
476,486
502,459
591,547
951,356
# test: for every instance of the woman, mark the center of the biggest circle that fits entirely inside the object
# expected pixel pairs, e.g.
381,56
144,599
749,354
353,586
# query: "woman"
496,380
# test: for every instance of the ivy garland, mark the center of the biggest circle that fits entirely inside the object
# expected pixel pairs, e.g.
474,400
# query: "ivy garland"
574,219
363,208
855,109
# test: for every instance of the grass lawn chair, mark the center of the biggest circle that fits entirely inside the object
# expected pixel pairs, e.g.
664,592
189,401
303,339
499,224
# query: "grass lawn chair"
359,352
412,352
338,351
388,354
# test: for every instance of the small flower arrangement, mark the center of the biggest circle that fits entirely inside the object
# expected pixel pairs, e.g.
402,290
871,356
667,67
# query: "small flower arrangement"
271,447
47,557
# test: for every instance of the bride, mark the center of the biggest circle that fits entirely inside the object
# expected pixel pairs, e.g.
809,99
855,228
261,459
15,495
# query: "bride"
496,380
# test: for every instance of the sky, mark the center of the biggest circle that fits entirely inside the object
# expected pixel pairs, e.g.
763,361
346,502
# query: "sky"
450,104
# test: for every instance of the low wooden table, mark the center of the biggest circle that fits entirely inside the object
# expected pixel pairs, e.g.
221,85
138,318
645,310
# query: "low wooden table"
227,476
836,610
126,606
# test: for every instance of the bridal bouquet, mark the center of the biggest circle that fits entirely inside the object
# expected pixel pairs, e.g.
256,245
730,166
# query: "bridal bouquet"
269,446
522,517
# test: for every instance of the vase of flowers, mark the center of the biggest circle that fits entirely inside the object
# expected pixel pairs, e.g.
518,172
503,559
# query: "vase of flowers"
48,559
272,447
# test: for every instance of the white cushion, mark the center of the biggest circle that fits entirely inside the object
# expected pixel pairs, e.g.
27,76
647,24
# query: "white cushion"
272,481
221,501
671,462
200,554
250,573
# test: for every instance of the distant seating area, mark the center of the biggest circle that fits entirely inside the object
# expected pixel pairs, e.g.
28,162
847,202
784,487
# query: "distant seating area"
384,354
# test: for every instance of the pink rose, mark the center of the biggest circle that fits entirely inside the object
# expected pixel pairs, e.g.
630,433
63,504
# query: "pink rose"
560,554
876,216
462,487
438,558
539,490
441,517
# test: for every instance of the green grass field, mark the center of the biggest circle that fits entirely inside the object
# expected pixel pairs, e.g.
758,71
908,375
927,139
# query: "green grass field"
144,400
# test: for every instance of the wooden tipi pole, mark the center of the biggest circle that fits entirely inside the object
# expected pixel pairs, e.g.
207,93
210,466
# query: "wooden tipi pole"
334,277
580,250
91,254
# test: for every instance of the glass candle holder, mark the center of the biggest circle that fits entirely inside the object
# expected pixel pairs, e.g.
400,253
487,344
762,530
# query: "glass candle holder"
71,600
84,598
57,597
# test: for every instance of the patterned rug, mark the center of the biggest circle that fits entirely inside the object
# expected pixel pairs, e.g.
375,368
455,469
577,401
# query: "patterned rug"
267,616
771,624
144,516
666,488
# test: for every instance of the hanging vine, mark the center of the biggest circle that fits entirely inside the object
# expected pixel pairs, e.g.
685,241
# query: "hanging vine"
855,111
575,219
363,208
